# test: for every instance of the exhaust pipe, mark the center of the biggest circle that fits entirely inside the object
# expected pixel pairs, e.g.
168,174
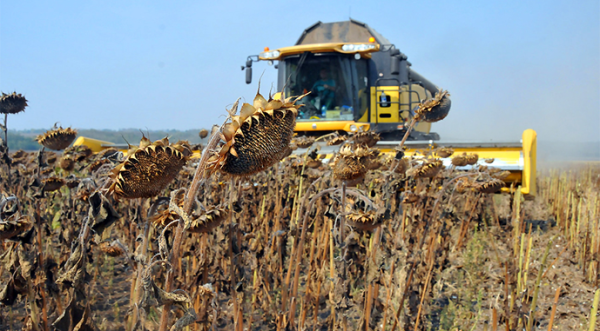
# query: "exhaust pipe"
414,77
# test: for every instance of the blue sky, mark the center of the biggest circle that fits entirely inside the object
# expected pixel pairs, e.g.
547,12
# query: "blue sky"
509,65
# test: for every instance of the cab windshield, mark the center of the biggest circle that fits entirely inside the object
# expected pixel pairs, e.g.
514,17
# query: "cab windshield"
333,83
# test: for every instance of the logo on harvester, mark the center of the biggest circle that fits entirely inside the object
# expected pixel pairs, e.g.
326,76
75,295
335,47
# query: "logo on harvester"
314,125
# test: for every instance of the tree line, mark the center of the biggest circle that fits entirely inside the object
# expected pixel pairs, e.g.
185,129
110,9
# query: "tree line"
25,139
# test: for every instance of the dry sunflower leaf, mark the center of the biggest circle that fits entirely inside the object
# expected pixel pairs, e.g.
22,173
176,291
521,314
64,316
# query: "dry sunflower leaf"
188,318
102,214
27,262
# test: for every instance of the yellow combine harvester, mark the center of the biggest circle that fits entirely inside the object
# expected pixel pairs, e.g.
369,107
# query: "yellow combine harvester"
360,81
356,77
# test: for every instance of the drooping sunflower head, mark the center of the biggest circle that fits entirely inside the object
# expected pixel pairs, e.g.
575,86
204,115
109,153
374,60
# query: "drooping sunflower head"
80,153
67,163
258,137
53,184
111,249
434,109
472,159
490,186
368,138
304,141
429,169
337,140
12,103
365,221
57,138
444,152
209,220
148,169
459,160
351,163
203,133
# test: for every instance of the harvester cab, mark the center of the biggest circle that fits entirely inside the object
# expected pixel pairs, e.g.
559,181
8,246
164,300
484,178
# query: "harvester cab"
357,79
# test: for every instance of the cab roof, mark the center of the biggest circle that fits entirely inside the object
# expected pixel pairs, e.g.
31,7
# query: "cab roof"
351,31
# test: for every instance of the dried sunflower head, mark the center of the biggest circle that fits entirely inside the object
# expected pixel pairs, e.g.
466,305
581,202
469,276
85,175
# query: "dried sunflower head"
51,157
72,181
210,220
444,152
113,249
366,221
161,215
351,162
184,147
399,166
460,160
472,159
97,164
67,163
258,137
19,154
337,140
52,184
463,185
148,169
304,142
313,163
373,164
21,157
490,186
435,109
203,133
14,227
368,138
429,169
79,153
501,174
12,103
57,138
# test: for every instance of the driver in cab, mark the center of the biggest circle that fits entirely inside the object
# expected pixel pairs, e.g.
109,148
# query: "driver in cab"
324,90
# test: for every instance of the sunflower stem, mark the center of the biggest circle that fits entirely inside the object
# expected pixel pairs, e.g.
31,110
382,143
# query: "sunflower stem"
232,259
144,260
5,145
342,234
5,129
199,175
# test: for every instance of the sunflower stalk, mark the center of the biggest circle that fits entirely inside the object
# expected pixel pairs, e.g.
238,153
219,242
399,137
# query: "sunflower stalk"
143,259
199,176
233,259
5,148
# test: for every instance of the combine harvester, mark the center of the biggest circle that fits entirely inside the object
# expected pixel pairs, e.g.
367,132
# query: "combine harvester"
372,86
360,81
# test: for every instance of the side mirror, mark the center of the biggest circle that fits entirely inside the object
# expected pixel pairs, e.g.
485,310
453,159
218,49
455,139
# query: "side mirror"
248,75
395,65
